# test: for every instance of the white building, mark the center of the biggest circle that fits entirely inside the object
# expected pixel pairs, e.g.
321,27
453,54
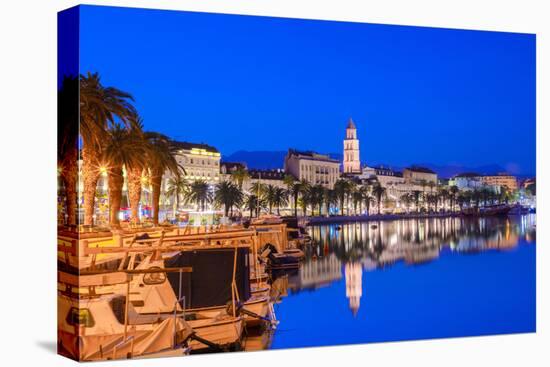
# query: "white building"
315,168
416,175
200,161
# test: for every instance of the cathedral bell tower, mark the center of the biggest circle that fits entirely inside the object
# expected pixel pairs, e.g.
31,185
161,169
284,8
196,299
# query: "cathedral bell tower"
352,163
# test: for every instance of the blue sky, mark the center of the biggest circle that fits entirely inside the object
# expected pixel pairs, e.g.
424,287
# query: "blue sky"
417,95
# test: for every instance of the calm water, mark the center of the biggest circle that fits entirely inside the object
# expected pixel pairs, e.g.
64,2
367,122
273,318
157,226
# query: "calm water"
410,279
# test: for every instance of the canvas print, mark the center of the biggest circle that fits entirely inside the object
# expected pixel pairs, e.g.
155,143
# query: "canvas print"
237,183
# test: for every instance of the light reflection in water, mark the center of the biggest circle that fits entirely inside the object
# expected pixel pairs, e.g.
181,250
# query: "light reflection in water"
356,247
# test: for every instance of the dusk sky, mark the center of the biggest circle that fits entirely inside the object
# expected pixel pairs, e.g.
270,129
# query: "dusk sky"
417,95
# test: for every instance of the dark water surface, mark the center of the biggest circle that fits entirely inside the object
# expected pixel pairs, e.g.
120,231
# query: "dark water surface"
411,279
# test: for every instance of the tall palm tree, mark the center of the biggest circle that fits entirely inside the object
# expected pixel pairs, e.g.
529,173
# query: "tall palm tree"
294,192
67,143
199,193
280,199
161,159
379,192
270,196
252,204
341,188
122,148
453,193
240,176
316,198
416,195
135,171
228,194
100,108
407,199
177,186
329,197
289,181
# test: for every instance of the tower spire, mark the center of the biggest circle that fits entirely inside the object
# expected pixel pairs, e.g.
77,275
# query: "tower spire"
352,163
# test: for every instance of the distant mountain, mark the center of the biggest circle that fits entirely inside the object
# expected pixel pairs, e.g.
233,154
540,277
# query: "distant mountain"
275,159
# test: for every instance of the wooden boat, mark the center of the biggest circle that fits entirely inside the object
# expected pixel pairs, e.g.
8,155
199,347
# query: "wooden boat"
254,312
225,333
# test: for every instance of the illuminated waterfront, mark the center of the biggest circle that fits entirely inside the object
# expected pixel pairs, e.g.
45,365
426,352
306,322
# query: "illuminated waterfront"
411,279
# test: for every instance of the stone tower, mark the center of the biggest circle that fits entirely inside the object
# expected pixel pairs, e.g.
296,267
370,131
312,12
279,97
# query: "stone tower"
352,163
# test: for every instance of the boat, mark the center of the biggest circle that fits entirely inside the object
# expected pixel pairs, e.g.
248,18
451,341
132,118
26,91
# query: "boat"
290,258
492,210
518,210
223,333
94,327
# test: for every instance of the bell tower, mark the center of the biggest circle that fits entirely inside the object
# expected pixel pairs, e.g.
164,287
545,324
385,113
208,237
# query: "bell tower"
352,163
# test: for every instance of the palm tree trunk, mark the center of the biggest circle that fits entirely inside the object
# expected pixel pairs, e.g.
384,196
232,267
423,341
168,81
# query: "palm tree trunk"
156,181
90,175
116,181
69,174
134,192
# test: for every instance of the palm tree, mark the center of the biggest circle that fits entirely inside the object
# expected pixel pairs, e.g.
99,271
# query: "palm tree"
416,196
379,192
443,195
329,197
199,193
280,199
453,192
341,187
316,197
177,186
407,199
161,159
122,148
294,191
228,194
240,176
100,107
134,173
252,204
67,141
289,181
258,189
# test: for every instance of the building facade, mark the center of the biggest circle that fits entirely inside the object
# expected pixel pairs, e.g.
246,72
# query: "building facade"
274,177
317,169
416,175
200,161
502,179
467,181
352,162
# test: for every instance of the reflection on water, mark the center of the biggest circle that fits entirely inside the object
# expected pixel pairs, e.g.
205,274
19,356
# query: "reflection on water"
356,247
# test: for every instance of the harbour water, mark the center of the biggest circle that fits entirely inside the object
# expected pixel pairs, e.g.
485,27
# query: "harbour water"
410,279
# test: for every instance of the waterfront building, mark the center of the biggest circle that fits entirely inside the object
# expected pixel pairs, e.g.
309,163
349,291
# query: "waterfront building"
416,175
200,161
387,176
315,168
352,162
274,177
501,179
467,181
